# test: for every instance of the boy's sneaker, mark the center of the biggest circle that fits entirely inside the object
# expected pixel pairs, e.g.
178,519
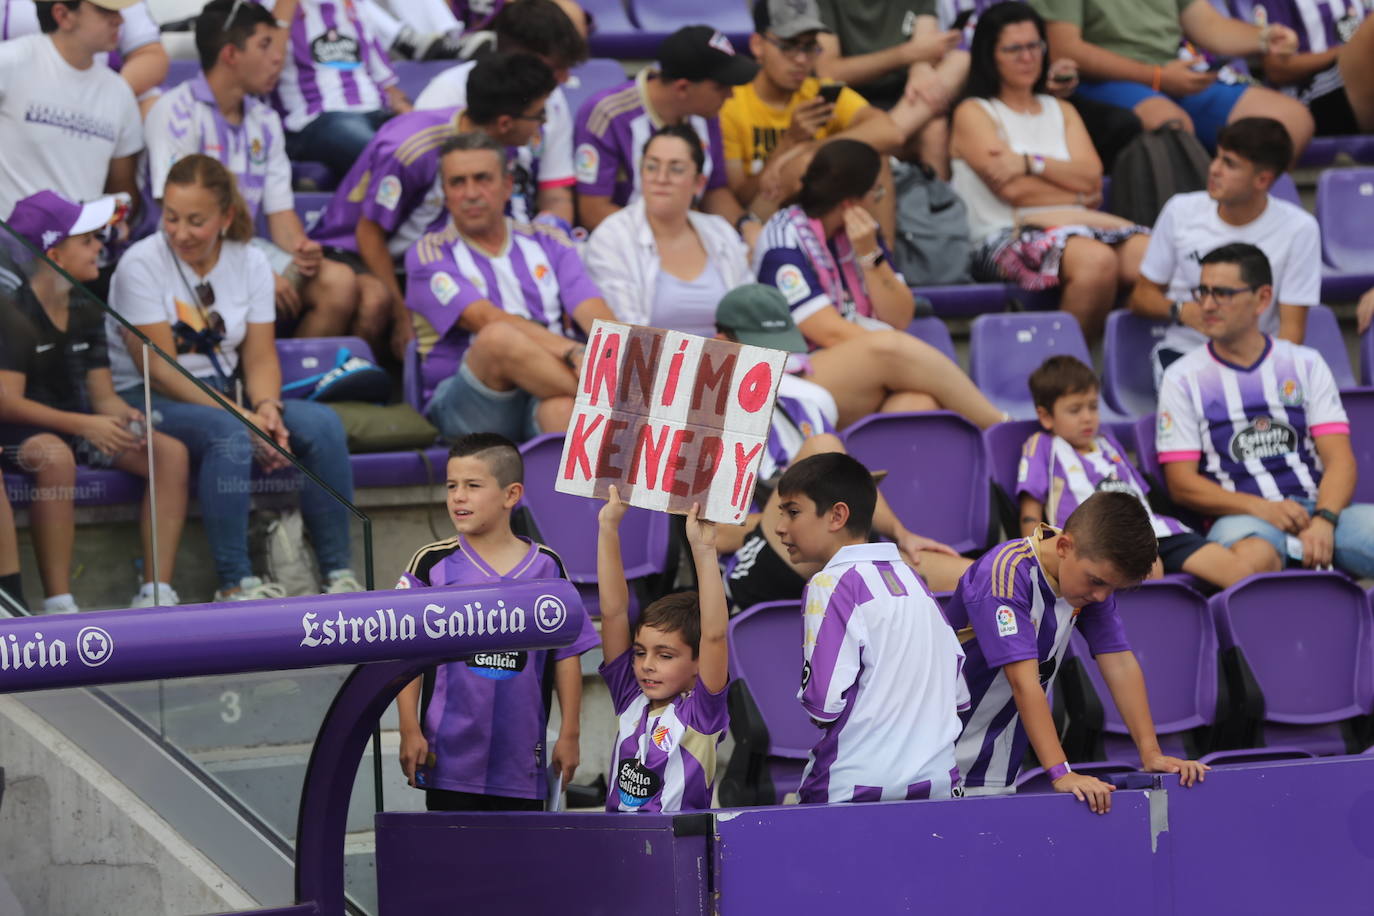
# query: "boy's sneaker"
60,604
166,596
343,582
251,588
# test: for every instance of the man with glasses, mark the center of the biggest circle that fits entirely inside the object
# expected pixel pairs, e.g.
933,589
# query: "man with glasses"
392,196
771,125
1251,429
1237,206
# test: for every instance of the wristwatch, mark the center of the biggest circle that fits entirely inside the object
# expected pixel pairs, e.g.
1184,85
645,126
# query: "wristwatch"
1037,164
1328,515
1176,311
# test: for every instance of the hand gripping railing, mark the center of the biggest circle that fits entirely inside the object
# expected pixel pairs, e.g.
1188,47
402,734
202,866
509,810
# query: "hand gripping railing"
391,635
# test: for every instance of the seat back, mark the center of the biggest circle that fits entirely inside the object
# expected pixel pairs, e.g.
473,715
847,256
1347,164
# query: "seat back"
568,523
1285,188
933,331
766,653
1146,455
1170,631
729,16
1324,336
302,357
179,70
1309,640
1128,383
1359,407
412,76
412,385
1004,443
937,480
1345,211
589,78
1004,350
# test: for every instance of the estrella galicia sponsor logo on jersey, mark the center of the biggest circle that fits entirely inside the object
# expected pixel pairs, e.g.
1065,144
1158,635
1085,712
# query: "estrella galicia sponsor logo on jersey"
334,50
498,666
1265,437
1112,485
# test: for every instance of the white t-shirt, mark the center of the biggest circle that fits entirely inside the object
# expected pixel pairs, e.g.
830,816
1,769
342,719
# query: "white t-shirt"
147,288
20,17
554,145
1189,227
60,126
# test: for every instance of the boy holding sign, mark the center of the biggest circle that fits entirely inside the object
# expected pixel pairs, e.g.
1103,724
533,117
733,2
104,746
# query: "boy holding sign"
667,677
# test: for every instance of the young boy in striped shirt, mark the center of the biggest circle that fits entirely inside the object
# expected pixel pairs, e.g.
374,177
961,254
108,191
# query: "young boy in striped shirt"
1022,601
882,668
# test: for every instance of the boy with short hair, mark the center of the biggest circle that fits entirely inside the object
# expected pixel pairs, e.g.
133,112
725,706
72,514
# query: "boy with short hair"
667,677
1071,460
477,743
882,668
1022,600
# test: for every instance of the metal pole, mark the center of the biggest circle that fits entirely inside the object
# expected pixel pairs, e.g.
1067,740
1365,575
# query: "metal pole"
152,468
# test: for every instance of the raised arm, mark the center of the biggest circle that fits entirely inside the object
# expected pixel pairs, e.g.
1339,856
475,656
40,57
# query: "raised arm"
611,587
713,663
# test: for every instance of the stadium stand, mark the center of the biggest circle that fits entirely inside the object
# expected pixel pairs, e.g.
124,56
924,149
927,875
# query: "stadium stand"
1345,211
1127,382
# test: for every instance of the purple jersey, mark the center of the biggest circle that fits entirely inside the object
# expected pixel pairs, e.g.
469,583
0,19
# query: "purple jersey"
1011,604
1059,477
612,128
537,276
485,718
1251,429
665,758
476,15
333,64
1320,25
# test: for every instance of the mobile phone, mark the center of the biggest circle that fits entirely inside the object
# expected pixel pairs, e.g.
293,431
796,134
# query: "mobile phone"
831,92
1063,77
961,20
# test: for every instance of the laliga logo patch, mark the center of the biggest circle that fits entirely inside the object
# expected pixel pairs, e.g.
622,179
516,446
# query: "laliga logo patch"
549,613
588,162
1006,621
389,192
443,287
1290,392
94,646
636,783
790,283
1166,422
663,739
721,43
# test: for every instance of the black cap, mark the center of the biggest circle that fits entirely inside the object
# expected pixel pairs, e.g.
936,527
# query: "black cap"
699,52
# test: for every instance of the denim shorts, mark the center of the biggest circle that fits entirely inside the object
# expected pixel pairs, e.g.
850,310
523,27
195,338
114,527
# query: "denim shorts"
462,404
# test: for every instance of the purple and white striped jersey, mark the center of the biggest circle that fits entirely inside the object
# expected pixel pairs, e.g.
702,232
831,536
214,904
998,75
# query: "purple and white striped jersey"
1059,477
612,128
665,758
187,120
1321,25
1252,428
334,64
538,276
1011,604
803,409
485,718
882,674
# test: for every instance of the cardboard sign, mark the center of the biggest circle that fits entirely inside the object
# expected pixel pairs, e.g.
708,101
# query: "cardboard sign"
670,419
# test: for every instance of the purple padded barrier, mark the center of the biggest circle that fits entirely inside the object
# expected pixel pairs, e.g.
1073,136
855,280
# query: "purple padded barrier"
412,383
1004,443
967,299
400,469
590,78
568,523
1345,211
938,478
312,176
1322,151
1254,755
93,488
1005,349
933,331
1128,383
1324,336
614,35
1036,780
302,357
1359,407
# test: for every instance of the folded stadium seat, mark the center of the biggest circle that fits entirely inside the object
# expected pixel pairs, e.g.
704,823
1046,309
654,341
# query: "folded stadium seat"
568,524
966,299
312,176
1322,151
1036,781
412,383
1367,356
1146,456
1298,654
179,71
1359,407
1243,756
590,78
938,484
414,75
1127,377
1345,211
773,734
1324,336
1170,630
1285,188
660,19
614,35
933,331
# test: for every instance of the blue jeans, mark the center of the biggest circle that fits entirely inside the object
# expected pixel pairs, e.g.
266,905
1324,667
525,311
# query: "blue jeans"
336,138
462,404
223,449
1354,536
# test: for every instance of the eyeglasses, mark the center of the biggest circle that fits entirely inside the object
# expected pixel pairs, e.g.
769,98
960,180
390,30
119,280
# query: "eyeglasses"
792,47
1223,294
539,117
1031,47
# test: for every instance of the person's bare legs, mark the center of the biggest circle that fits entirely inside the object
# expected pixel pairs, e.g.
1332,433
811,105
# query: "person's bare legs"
504,359
908,402
170,482
554,414
1356,62
931,145
9,539
1158,110
52,516
1129,254
1225,566
373,317
1088,283
1258,102
863,372
329,300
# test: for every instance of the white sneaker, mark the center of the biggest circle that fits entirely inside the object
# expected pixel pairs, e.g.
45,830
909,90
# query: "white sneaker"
62,604
343,582
251,588
166,597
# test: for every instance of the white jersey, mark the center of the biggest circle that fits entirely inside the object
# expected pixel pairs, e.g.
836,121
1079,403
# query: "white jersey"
883,670
188,120
1188,228
333,63
60,126
553,147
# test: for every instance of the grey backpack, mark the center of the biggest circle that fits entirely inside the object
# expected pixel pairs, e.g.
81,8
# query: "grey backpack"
932,245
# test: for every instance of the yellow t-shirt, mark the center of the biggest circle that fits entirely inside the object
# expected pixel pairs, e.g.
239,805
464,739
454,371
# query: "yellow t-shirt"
750,128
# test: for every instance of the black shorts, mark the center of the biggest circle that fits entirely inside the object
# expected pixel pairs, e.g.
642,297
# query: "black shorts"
1333,115
344,256
760,575
1175,549
449,800
14,436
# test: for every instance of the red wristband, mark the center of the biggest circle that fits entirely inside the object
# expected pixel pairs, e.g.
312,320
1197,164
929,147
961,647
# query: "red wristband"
1058,770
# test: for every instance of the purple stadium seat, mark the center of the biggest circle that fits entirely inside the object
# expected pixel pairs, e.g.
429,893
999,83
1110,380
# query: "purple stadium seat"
179,71
1127,379
1170,630
1324,336
312,176
1367,357
1285,188
614,35
1345,211
1359,407
939,480
1036,780
590,78
967,299
414,75
412,385
1004,442
309,206
1146,456
1254,755
766,653
1308,639
1322,151
399,469
933,331
302,357
661,19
